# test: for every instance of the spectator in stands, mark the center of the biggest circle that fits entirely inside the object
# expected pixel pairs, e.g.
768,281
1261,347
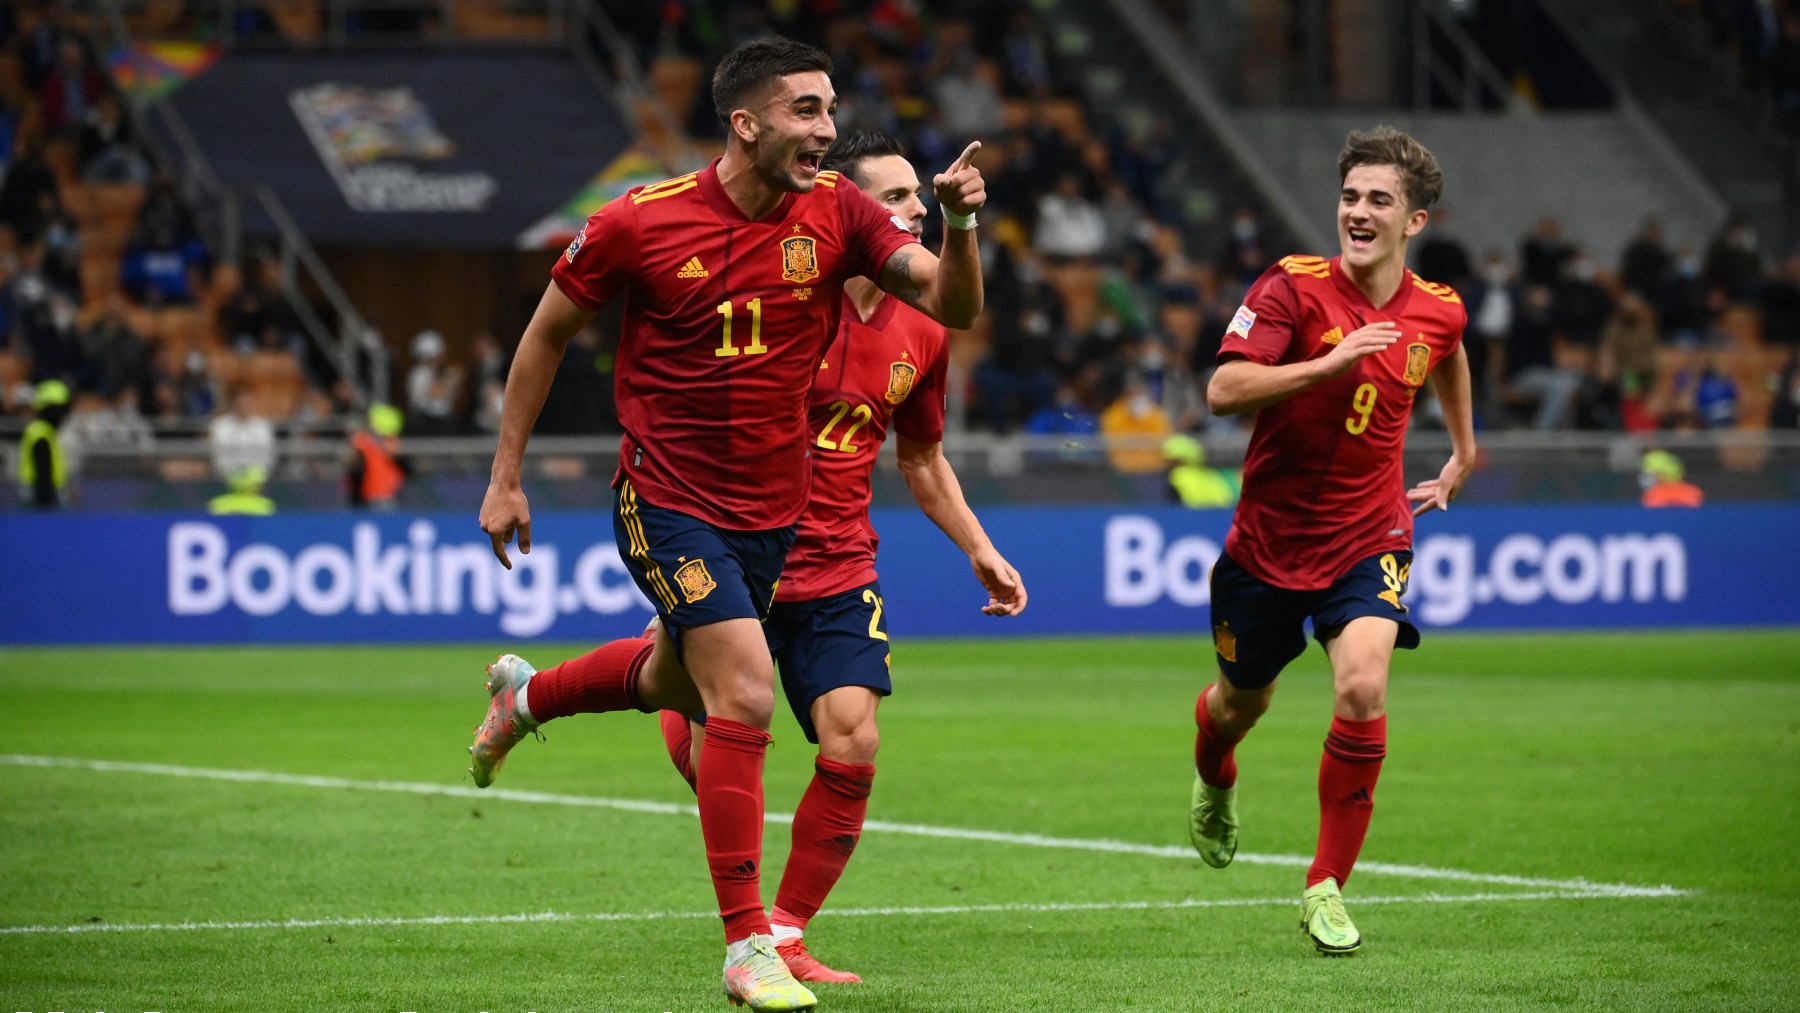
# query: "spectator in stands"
1490,302
1069,418
1660,474
99,424
1543,254
376,473
431,387
1244,256
1627,365
69,90
164,213
1582,303
1441,257
1684,304
1784,413
163,269
968,104
42,320
22,194
115,356
195,392
1191,483
1532,374
1069,226
240,438
1134,426
108,153
61,248
1015,379
1734,261
1716,396
1781,304
1647,263
486,389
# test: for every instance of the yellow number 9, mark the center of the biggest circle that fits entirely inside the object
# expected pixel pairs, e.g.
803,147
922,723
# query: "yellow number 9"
1363,403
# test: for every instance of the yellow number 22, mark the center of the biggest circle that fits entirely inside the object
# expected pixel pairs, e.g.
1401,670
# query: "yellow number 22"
1363,403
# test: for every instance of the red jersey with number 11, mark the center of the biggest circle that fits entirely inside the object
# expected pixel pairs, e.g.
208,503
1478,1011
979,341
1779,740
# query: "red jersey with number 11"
1323,488
725,321
886,372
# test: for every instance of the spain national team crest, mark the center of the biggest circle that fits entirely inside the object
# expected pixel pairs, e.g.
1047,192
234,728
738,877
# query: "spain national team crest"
1418,363
799,259
575,244
900,381
1225,642
694,581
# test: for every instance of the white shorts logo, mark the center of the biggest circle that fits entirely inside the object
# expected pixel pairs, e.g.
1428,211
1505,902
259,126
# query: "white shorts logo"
1241,324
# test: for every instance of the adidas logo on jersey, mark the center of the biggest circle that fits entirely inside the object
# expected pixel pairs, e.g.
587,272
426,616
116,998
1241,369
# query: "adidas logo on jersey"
692,269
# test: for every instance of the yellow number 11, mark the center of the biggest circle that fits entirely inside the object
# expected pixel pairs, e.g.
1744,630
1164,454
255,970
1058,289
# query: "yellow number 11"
755,347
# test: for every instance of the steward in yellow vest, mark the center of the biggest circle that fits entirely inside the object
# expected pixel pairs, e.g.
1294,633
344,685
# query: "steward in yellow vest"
43,462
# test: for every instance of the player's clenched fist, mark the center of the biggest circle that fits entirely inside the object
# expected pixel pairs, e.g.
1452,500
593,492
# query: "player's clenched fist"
1364,341
960,188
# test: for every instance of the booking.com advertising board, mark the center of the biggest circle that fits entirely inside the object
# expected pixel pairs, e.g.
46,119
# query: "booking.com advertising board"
92,578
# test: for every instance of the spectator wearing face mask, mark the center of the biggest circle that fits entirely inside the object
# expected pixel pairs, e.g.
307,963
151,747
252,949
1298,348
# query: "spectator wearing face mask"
1134,426
1682,303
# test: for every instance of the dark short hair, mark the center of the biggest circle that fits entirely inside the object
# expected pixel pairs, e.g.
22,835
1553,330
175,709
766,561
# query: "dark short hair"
1418,168
756,64
849,152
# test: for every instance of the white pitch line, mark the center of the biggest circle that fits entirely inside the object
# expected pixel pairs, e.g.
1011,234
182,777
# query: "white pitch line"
880,826
867,912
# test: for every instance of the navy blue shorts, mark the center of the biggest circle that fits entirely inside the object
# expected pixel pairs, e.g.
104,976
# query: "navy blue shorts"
696,574
828,643
1258,628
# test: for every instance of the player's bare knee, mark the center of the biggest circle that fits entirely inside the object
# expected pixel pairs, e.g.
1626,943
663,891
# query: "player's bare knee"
1238,710
745,701
855,744
1362,697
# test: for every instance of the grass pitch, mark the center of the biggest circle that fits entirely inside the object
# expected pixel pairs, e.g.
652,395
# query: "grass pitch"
1563,821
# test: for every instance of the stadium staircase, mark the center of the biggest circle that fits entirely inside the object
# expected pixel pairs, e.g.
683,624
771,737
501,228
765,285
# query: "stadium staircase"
1687,90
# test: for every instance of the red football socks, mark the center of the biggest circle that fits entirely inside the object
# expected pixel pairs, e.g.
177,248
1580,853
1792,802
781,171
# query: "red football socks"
1347,774
1213,751
731,821
679,737
603,679
827,826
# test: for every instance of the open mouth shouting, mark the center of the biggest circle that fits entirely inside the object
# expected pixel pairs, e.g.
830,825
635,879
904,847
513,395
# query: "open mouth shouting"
808,162
1361,238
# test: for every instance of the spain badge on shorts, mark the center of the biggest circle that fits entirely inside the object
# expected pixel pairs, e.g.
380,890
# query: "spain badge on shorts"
694,581
799,259
1225,642
901,376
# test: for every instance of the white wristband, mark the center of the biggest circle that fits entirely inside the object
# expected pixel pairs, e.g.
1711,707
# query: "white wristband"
956,221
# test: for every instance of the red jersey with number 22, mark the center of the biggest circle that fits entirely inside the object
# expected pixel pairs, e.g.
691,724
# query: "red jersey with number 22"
1323,488
886,372
725,321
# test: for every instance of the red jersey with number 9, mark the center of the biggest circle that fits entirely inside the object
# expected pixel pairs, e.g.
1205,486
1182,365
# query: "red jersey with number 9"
725,322
1323,488
886,372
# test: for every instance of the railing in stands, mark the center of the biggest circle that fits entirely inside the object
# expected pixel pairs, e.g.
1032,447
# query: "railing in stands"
173,147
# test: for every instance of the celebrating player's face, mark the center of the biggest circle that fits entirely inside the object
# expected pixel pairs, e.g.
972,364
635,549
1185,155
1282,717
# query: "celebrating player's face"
795,125
1373,219
891,180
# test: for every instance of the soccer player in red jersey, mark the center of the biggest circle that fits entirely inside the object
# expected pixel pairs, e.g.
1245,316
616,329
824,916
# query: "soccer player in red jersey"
884,372
731,278
1330,354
